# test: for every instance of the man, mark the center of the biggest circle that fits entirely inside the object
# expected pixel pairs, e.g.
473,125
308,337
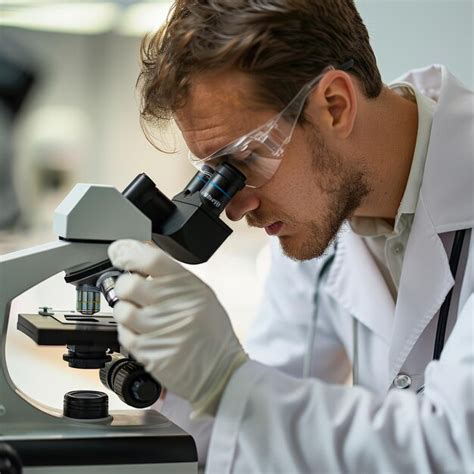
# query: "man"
288,91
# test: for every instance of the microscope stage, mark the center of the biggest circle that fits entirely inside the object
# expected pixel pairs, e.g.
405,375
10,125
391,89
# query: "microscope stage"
69,328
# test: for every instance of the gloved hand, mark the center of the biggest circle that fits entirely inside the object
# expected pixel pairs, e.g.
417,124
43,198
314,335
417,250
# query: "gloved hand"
174,325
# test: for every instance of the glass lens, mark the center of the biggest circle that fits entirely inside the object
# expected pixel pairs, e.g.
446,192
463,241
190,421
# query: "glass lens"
258,169
254,159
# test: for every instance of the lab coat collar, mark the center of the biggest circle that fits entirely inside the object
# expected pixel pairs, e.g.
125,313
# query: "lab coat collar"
447,186
355,282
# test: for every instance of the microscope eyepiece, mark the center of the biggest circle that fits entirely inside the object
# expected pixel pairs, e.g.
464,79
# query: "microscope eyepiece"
199,180
143,193
222,186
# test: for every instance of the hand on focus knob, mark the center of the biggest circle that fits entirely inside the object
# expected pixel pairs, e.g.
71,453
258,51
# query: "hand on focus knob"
174,325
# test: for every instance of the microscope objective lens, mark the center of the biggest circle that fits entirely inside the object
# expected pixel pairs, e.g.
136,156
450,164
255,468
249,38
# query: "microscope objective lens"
106,284
87,299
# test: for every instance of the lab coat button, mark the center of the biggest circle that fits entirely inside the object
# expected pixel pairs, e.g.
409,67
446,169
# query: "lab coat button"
402,381
397,249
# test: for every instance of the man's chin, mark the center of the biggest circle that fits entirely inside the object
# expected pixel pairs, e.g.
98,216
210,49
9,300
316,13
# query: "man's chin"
300,249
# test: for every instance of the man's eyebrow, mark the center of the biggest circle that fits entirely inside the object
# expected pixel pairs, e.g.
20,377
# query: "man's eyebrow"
217,142
201,146
212,150
209,148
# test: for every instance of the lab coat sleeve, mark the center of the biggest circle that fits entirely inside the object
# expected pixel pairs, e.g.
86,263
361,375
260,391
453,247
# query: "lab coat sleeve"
178,411
279,336
271,422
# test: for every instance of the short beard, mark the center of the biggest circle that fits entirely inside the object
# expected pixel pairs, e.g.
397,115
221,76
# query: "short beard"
346,187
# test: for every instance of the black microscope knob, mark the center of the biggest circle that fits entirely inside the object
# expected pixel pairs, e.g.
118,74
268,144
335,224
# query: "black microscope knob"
107,373
135,386
86,405
10,462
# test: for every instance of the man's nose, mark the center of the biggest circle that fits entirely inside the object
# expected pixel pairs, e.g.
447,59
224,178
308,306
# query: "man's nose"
243,202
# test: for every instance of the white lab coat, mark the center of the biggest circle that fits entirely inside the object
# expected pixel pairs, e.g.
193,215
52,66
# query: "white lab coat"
271,419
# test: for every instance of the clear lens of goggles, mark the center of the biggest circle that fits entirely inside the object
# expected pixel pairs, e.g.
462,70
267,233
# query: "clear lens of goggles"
251,157
258,154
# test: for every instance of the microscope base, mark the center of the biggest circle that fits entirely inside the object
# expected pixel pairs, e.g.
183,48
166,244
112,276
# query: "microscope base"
181,468
138,442
159,447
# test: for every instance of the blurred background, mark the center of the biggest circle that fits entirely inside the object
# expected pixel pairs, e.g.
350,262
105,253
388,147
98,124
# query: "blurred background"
69,113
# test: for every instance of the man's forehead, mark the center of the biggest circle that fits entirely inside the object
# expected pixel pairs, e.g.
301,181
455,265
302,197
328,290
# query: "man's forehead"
230,87
218,109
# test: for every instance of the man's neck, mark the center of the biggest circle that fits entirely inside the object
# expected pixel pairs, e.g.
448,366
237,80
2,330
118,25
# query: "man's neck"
392,126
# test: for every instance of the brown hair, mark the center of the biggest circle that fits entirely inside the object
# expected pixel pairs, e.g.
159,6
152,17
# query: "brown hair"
281,44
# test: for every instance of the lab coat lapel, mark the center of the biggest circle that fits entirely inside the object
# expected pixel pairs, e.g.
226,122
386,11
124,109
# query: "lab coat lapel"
424,284
355,282
445,205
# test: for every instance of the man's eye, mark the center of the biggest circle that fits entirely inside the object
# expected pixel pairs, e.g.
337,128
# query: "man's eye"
249,155
214,162
241,155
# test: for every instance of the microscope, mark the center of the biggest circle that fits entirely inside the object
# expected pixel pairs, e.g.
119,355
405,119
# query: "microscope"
85,436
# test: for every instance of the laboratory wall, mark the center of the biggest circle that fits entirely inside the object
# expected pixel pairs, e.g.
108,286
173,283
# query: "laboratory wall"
81,119
407,34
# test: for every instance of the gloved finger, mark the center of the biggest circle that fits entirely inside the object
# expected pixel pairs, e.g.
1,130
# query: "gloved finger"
126,314
149,291
127,339
140,349
141,320
136,289
143,258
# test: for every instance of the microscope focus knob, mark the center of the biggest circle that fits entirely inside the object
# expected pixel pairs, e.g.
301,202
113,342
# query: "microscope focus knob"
134,386
10,462
129,380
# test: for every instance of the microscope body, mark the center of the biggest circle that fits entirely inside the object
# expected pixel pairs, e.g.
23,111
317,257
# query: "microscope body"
84,437
88,219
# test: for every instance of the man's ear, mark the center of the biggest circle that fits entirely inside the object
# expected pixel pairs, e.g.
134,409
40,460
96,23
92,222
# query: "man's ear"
333,104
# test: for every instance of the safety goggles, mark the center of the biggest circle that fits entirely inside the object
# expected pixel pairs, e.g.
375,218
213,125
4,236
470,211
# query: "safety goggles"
258,154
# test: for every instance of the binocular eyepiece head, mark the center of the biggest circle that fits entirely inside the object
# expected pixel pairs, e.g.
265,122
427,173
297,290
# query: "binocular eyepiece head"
188,227
216,186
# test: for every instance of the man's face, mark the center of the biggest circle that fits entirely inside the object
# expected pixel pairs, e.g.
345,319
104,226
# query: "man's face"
312,192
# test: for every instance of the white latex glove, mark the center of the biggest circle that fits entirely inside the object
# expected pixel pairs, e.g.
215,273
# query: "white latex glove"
174,325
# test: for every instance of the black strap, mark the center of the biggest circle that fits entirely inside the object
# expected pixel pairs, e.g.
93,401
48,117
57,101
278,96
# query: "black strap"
444,311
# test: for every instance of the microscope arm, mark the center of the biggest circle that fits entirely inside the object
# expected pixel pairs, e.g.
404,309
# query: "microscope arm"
21,270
